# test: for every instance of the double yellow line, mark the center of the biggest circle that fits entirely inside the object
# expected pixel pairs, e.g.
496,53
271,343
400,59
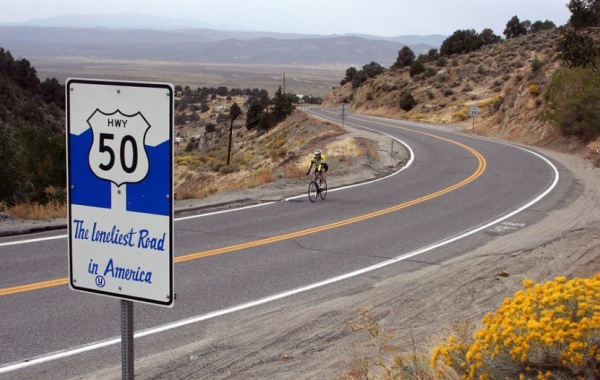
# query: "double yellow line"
274,239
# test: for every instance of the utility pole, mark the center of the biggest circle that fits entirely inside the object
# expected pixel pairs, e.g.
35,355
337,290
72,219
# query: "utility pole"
234,112
230,138
283,83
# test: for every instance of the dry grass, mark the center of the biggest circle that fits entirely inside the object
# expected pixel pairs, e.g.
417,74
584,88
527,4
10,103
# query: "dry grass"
378,358
293,171
260,177
283,152
37,211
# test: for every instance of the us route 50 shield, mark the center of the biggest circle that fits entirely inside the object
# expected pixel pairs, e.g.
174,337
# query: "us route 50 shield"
118,151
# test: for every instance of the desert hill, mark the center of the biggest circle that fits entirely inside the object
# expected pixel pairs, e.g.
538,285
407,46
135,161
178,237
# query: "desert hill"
506,81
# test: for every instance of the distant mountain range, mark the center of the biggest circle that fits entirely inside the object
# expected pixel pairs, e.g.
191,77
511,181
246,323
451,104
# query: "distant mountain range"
133,36
142,21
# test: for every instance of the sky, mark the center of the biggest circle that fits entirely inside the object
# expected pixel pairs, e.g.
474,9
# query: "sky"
387,18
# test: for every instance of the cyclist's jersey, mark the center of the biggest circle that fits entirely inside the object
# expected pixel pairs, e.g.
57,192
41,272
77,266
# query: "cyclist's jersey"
319,163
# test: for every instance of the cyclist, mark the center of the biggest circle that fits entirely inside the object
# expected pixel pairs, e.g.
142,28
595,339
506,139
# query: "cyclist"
320,165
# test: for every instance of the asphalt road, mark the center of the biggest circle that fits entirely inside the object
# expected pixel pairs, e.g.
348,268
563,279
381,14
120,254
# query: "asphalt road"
457,193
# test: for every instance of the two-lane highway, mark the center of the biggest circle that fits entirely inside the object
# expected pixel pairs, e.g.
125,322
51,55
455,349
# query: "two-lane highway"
456,188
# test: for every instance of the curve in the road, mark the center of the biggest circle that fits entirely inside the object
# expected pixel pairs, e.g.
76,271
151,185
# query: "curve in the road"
478,172
198,255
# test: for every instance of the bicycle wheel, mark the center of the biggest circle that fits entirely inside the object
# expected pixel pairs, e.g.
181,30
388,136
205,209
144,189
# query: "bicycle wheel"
312,191
323,188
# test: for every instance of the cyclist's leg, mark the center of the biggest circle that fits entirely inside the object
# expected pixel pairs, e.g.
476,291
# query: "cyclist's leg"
318,180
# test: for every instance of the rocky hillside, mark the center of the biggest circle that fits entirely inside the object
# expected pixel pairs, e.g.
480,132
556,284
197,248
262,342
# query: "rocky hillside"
261,158
506,80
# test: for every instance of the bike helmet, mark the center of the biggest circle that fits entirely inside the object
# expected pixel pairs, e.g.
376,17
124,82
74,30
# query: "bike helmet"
317,151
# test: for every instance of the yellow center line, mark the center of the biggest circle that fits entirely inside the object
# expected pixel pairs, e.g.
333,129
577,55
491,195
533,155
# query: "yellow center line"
34,286
274,239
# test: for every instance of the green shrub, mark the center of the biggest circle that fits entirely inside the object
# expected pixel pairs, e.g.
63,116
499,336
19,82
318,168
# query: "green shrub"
416,68
430,71
447,91
573,97
536,64
407,102
210,127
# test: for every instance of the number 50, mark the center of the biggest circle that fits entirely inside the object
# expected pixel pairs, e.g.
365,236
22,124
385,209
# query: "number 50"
126,141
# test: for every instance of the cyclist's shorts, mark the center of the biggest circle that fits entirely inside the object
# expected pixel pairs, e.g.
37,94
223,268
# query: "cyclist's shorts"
324,167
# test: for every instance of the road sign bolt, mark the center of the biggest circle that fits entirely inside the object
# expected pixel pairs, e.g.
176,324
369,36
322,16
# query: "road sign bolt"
118,91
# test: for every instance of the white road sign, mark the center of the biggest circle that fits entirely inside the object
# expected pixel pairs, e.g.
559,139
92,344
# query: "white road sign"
474,111
120,180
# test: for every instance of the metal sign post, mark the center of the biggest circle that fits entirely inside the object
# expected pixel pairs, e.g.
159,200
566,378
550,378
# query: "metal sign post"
473,112
120,194
127,345
343,114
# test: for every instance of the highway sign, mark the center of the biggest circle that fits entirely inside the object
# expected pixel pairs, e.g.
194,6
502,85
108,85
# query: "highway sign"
474,111
120,181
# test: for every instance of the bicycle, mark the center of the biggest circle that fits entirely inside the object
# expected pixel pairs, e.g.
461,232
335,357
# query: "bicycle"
317,188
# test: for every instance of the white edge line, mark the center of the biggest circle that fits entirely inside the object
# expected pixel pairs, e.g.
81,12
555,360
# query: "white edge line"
32,240
218,313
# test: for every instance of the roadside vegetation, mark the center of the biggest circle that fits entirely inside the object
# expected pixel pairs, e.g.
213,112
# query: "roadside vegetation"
32,141
545,331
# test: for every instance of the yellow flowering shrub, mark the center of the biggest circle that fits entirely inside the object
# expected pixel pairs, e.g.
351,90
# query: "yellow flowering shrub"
546,331
462,114
534,90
